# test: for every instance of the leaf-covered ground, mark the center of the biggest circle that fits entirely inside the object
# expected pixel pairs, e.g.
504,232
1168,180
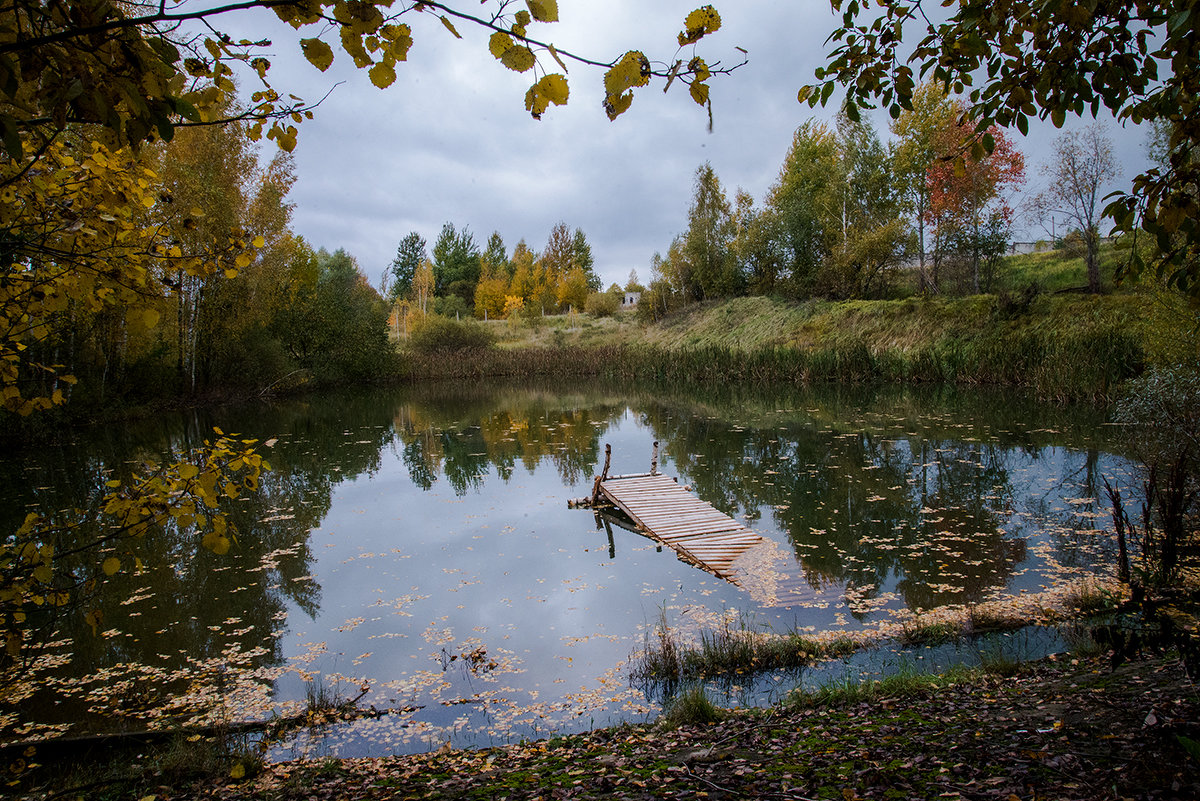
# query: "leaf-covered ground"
1062,729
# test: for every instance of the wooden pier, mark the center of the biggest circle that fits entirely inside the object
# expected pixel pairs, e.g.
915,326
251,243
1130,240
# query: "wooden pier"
656,507
667,513
670,515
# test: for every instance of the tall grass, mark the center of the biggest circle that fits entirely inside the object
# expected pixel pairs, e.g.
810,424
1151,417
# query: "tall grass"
725,652
1061,347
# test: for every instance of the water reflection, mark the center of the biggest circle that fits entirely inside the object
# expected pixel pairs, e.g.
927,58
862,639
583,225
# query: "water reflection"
419,542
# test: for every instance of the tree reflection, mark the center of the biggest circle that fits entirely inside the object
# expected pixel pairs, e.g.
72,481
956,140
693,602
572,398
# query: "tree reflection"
873,500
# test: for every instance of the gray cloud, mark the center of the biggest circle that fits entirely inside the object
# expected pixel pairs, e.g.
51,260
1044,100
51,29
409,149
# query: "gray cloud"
450,141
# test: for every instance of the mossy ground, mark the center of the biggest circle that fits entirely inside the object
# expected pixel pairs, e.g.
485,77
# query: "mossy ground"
1071,728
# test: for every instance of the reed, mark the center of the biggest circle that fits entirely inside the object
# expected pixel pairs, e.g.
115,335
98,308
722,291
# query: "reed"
1061,348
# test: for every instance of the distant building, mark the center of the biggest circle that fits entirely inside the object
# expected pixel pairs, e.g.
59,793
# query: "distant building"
630,300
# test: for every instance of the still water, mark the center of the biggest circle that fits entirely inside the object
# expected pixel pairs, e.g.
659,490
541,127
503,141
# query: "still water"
415,547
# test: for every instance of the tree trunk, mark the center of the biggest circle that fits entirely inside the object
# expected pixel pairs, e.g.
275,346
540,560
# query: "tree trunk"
1093,260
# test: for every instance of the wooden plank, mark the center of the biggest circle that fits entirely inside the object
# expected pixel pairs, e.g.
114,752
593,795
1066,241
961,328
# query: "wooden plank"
697,531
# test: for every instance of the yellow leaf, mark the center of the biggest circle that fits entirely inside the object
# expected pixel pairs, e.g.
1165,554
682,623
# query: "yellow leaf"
554,53
187,471
633,69
699,92
450,27
555,88
536,102
318,53
518,58
382,75
699,23
499,43
401,40
260,241
150,317
238,771
111,565
543,10
243,259
616,105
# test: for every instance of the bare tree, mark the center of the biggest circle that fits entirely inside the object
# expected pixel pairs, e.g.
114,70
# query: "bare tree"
1083,163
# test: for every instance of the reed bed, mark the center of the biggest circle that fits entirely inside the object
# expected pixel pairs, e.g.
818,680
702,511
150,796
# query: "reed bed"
1078,365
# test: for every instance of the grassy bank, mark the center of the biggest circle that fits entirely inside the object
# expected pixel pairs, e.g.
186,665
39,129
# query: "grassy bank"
1062,347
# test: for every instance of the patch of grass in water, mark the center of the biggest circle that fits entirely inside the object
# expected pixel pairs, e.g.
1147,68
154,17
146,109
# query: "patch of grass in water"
728,651
692,707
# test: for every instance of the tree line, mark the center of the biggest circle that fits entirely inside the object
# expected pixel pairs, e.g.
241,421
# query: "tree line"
848,210
460,278
170,270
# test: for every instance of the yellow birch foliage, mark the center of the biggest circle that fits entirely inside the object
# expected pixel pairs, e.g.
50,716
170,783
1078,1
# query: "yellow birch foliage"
83,233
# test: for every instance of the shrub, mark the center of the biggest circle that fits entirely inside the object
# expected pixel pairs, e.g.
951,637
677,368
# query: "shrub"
442,333
602,304
453,306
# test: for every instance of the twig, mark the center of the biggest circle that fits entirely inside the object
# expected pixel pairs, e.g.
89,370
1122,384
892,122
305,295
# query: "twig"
755,794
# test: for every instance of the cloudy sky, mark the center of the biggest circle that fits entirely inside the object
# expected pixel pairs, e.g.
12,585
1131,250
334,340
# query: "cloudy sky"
450,140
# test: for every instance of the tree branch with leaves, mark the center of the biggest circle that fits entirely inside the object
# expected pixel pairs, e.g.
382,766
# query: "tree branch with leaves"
1020,59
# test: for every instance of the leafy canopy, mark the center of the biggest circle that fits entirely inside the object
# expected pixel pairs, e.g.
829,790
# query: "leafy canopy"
138,71
1017,59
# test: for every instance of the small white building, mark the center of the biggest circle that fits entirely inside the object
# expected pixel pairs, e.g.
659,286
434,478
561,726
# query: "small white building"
630,300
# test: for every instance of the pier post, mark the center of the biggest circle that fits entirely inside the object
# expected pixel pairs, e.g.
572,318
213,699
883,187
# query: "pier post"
603,475
654,459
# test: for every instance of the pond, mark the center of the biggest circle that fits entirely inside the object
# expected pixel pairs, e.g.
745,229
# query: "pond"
414,547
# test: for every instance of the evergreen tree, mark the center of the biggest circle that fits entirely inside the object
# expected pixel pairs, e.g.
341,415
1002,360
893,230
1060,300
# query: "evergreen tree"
456,263
409,255
583,257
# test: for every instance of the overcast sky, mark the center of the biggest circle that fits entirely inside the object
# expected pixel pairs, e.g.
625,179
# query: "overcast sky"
450,140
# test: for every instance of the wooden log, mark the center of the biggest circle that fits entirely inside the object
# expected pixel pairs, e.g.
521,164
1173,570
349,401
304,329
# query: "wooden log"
654,459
